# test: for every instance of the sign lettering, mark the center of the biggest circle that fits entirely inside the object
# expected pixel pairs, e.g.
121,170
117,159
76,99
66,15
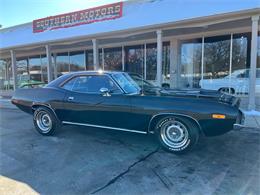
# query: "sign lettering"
98,14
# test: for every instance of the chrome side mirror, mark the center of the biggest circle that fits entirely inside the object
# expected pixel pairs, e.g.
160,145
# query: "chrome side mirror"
104,91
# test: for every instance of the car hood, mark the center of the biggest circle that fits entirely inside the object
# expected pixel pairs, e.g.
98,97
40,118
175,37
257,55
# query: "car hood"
194,93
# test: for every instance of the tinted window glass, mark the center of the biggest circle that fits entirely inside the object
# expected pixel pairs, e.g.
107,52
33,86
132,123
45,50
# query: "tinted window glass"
69,84
216,57
134,59
190,70
113,58
62,63
126,83
77,61
91,84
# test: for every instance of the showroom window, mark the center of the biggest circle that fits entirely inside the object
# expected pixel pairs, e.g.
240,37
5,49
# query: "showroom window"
35,68
216,63
44,63
240,64
62,63
101,58
258,51
216,57
23,73
77,61
190,70
6,80
151,61
134,59
89,60
113,59
166,63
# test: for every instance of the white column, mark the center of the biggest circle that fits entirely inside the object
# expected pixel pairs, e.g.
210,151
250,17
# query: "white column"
159,57
49,63
85,59
103,59
189,70
55,66
253,62
123,58
145,61
14,68
230,63
174,63
95,54
202,61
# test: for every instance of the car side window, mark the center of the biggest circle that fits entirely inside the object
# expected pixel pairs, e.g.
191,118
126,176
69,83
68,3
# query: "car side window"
69,84
91,84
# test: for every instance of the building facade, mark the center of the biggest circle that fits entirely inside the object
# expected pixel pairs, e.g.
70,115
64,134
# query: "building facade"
203,44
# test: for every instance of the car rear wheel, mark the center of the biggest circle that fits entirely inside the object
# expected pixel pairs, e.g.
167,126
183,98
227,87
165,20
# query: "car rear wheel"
45,121
177,135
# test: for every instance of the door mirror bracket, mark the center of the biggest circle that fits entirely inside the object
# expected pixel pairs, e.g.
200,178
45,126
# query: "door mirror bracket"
104,92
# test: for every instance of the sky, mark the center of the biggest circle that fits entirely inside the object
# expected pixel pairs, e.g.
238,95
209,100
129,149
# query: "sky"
14,12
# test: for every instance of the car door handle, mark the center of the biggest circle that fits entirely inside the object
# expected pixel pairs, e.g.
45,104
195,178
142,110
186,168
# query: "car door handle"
70,98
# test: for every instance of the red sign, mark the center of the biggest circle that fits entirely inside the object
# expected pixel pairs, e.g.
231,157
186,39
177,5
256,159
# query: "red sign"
97,14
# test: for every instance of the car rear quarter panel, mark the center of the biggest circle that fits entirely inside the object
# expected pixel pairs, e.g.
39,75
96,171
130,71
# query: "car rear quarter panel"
26,99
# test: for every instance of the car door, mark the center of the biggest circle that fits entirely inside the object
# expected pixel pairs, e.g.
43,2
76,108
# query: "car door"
85,104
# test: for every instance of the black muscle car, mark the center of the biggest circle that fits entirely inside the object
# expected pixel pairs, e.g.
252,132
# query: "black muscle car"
113,100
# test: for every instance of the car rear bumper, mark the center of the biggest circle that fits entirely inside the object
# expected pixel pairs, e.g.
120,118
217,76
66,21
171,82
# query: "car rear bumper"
239,121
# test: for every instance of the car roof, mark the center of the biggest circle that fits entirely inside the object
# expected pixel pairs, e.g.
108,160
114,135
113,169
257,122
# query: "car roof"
63,78
95,72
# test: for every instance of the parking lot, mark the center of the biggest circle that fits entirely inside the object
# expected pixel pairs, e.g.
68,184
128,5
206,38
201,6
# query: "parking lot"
80,160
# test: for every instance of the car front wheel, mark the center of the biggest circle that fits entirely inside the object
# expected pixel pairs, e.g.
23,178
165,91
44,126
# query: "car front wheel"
45,121
177,135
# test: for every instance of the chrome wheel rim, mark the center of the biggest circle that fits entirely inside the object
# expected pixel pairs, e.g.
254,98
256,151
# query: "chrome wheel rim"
174,134
43,121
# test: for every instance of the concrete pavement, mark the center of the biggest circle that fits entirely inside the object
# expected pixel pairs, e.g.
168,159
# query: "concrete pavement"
96,161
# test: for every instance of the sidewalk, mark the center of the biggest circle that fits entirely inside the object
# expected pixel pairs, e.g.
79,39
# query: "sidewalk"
252,118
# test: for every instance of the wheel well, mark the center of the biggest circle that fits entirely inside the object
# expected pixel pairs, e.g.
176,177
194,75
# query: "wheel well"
35,106
155,119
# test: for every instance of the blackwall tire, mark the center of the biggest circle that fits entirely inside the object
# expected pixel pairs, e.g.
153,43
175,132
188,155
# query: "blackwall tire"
45,121
176,134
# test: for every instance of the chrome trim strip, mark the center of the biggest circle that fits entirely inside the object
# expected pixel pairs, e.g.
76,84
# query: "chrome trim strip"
103,127
171,113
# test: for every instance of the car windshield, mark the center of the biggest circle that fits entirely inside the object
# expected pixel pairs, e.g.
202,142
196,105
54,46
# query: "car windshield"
141,82
127,83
